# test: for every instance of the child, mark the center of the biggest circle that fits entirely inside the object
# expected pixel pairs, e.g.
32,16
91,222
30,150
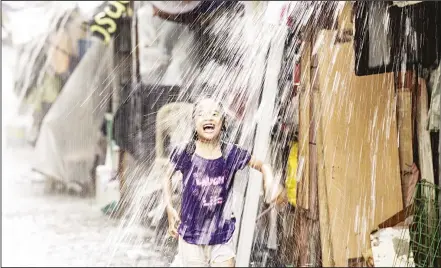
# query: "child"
208,165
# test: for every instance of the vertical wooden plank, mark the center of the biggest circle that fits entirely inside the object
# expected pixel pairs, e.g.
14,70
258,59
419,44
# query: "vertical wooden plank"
424,147
425,150
405,149
314,113
439,168
301,257
360,149
325,226
326,246
314,226
304,124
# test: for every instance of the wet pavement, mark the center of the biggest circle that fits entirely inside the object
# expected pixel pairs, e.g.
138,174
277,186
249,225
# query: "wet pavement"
51,229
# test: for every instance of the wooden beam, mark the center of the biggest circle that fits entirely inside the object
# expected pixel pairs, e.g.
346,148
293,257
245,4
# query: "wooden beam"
304,125
325,225
425,150
424,147
344,21
314,113
405,139
314,226
301,248
397,218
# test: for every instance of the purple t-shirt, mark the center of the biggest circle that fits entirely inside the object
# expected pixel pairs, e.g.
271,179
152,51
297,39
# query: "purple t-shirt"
206,188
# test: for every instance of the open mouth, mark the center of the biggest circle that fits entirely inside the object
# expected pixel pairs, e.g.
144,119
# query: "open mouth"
208,127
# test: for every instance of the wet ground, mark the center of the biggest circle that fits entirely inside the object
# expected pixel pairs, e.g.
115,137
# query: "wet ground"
50,229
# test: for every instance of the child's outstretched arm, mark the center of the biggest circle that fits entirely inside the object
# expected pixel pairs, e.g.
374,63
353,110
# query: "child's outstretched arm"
272,189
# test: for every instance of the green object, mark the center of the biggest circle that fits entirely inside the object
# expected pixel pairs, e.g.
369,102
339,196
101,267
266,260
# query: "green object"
425,230
110,208
45,92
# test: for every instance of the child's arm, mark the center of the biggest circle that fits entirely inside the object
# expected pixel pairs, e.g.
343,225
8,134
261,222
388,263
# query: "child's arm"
272,190
167,185
172,214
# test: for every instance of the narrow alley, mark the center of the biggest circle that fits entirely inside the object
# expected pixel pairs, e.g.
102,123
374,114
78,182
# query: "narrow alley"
53,229
221,133
41,229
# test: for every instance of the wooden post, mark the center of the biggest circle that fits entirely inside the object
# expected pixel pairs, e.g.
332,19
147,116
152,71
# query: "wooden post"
439,175
314,226
301,222
326,250
424,147
404,121
425,150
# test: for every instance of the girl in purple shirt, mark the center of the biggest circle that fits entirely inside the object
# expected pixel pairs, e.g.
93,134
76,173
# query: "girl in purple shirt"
205,224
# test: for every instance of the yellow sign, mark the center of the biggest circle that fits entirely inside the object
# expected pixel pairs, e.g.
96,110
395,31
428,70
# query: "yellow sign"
105,23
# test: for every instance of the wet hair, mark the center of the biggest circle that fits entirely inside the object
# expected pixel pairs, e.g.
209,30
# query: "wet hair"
221,110
191,146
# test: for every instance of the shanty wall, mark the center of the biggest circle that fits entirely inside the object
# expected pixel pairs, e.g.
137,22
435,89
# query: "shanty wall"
349,140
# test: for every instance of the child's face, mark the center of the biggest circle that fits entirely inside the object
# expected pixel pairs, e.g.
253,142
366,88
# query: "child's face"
208,119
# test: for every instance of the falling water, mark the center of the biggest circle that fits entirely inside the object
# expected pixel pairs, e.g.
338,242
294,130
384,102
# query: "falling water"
243,57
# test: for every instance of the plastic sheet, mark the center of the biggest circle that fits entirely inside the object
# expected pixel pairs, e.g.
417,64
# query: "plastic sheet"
67,145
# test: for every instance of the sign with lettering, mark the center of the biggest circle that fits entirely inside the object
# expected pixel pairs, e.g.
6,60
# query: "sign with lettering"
106,21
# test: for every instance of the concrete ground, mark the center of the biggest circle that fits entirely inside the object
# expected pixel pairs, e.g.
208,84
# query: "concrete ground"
50,229
43,229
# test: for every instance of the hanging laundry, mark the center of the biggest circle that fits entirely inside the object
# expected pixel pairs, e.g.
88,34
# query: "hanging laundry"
396,38
434,86
189,12
57,60
167,45
291,181
405,3
164,48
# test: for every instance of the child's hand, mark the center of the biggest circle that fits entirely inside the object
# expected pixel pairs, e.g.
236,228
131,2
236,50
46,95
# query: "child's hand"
276,193
282,198
173,221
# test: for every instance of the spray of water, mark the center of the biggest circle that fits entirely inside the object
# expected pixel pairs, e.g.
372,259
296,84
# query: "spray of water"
231,59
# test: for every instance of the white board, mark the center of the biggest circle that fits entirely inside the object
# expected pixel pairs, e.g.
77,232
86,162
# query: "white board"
391,247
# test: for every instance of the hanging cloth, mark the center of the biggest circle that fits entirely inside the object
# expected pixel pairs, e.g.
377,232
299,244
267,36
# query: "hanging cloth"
434,86
291,181
405,3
